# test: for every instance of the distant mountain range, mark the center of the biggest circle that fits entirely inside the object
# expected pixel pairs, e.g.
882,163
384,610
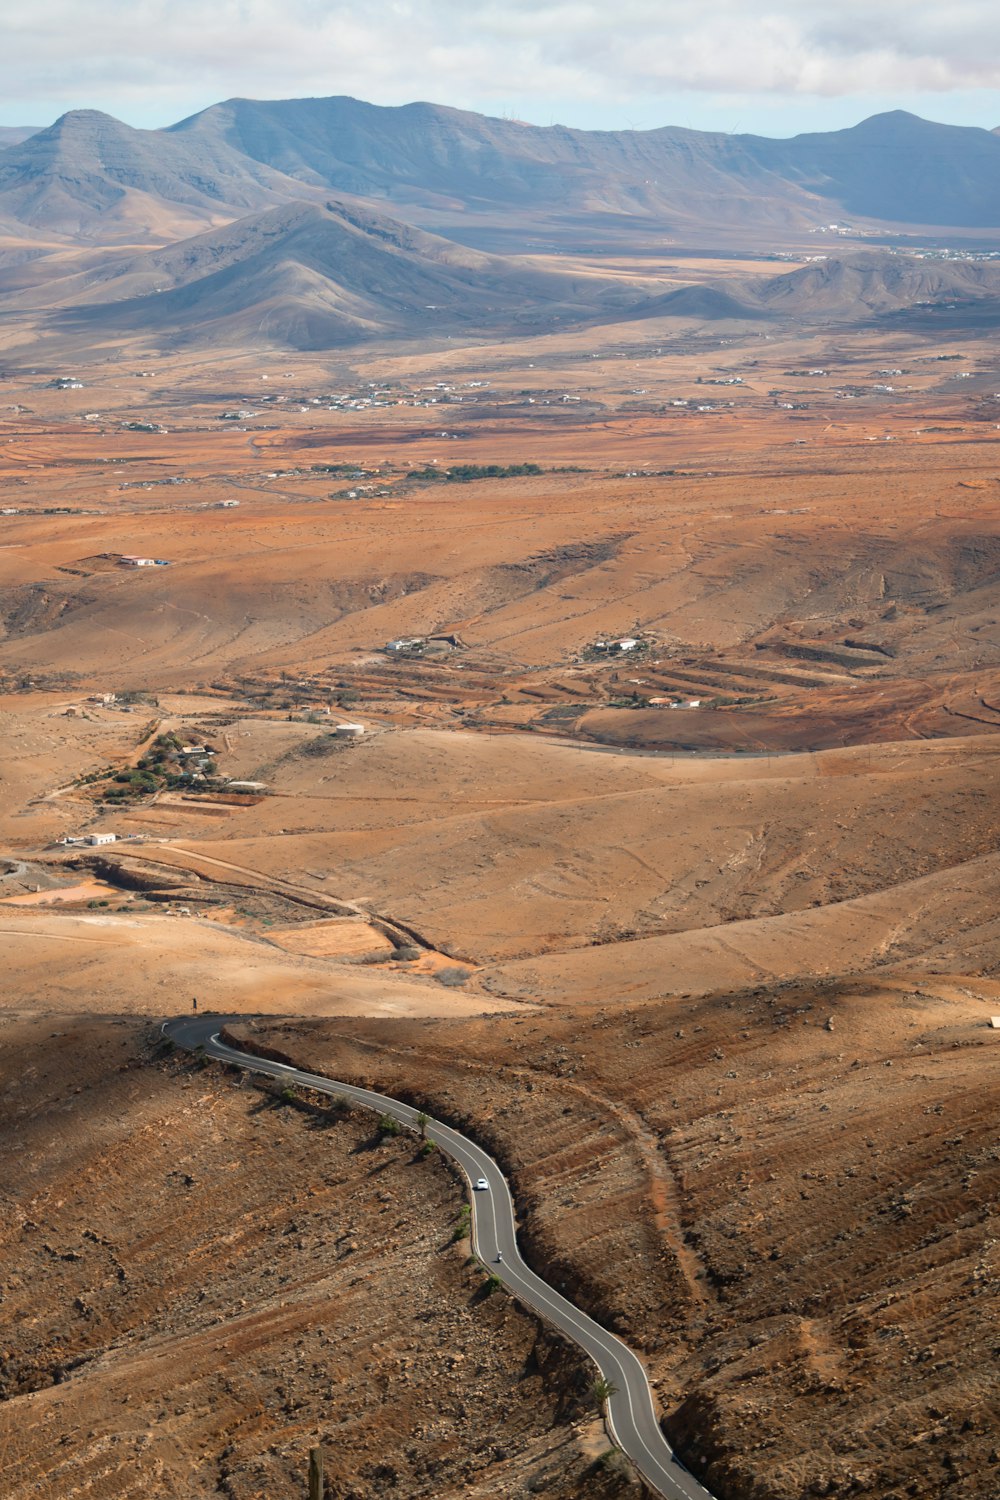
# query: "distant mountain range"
305,223
12,135
893,167
89,176
848,288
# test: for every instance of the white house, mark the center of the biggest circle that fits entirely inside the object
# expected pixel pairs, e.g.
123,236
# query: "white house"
101,838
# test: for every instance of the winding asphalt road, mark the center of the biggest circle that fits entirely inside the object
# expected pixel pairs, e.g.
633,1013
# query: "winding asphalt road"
630,1411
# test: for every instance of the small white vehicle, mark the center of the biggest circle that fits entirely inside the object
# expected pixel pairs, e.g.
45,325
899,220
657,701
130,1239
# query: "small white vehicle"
482,1186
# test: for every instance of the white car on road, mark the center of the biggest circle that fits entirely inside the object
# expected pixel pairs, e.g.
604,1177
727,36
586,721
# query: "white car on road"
482,1186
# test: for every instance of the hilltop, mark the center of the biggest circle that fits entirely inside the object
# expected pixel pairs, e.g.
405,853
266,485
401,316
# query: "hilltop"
92,178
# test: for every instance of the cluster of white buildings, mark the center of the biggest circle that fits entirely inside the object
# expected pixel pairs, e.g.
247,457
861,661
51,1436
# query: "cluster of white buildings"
613,648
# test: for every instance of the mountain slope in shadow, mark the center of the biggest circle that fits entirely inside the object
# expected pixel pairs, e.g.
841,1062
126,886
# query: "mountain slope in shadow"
893,167
311,277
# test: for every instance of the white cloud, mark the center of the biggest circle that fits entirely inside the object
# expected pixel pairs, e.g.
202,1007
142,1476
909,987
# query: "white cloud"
478,54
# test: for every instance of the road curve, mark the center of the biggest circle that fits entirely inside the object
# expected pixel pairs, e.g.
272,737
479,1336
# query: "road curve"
630,1411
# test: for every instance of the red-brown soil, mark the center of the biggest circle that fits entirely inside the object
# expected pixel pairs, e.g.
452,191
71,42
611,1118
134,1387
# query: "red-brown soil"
713,980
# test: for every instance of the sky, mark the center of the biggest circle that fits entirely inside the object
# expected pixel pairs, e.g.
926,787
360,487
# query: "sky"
772,67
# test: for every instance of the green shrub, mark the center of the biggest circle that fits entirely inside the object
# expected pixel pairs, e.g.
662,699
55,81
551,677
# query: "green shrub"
466,473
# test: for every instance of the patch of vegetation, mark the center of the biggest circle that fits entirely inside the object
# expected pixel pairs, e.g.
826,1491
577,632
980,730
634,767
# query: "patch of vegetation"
462,1223
161,766
566,711
611,1462
137,695
387,1125
602,1390
738,700
141,780
466,473
323,744
452,978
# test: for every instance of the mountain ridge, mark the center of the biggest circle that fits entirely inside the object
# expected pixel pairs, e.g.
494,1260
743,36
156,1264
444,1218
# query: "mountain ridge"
925,172
310,276
91,177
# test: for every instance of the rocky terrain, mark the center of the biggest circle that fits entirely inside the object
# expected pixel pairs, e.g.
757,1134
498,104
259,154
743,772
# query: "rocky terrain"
172,1323
783,1196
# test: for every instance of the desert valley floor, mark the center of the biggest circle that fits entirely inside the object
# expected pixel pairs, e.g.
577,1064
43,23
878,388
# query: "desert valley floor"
662,855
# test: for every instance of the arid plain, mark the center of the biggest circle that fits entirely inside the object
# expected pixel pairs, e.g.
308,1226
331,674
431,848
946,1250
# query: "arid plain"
700,935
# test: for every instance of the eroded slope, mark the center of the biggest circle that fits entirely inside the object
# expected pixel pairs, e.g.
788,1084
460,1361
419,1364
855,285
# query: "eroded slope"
200,1282
785,1196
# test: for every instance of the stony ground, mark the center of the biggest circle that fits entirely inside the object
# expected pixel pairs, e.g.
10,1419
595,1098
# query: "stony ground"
753,1128
785,1197
200,1283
